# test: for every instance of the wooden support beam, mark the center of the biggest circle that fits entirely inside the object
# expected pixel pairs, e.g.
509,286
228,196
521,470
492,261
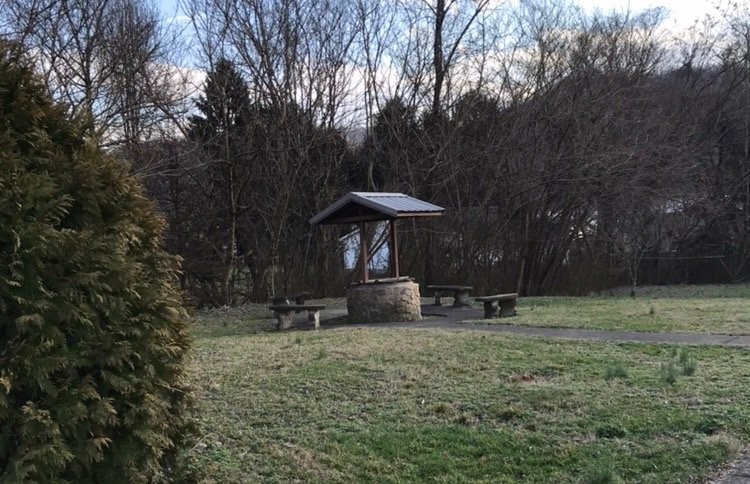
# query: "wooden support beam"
394,249
363,257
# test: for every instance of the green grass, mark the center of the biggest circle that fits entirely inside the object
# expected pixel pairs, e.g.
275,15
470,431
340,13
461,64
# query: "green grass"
689,309
380,405
685,291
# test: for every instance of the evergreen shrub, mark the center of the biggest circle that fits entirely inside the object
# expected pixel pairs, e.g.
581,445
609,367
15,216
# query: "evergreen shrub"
93,336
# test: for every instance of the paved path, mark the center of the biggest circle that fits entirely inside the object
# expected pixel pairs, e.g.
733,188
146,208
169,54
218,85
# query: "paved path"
454,319
738,472
578,334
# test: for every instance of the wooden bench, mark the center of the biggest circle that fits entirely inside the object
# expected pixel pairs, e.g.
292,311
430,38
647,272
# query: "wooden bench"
499,305
283,313
460,294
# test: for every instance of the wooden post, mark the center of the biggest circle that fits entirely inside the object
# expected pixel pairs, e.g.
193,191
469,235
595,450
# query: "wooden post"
394,249
363,257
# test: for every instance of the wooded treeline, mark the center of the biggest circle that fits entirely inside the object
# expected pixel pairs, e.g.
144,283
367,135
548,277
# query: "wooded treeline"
573,151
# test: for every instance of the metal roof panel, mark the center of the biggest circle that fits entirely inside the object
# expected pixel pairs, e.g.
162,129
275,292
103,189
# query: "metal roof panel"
374,206
400,202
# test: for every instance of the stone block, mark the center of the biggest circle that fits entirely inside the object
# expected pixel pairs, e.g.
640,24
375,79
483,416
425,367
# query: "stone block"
383,302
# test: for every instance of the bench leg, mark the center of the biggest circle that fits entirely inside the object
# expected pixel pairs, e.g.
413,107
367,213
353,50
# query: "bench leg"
491,309
284,320
301,301
461,299
508,308
437,298
314,317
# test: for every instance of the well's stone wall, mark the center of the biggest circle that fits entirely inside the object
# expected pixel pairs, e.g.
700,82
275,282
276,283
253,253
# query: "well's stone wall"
382,302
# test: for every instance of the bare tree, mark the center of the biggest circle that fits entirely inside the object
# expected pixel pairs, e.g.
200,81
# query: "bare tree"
113,62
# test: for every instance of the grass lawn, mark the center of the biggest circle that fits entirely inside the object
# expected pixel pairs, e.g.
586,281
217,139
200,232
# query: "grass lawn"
689,309
353,405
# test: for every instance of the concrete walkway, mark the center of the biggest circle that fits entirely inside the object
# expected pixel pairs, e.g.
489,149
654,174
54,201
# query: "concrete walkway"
577,334
455,319
737,473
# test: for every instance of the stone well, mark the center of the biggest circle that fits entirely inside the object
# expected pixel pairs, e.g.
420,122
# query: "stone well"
383,300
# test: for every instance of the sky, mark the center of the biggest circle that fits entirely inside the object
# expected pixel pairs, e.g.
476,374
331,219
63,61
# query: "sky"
682,13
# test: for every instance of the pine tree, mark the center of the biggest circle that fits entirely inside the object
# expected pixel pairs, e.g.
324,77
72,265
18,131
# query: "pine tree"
221,133
391,147
93,338
225,104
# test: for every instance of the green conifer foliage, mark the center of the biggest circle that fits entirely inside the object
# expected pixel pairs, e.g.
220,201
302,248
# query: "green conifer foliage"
93,336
